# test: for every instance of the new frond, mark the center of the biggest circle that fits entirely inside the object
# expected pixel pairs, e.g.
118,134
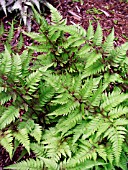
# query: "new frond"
97,40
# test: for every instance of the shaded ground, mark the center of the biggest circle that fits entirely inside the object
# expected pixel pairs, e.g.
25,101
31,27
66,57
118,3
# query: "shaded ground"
110,13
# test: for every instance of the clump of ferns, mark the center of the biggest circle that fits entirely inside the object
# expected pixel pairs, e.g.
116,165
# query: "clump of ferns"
76,95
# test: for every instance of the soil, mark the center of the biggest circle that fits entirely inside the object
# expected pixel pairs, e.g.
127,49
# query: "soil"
109,13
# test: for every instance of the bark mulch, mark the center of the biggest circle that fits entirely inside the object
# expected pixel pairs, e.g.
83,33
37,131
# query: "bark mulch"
110,13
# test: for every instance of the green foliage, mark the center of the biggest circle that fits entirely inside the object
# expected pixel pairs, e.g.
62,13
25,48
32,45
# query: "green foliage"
12,38
69,104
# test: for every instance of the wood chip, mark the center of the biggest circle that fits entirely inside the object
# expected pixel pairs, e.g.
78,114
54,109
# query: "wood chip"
106,13
74,14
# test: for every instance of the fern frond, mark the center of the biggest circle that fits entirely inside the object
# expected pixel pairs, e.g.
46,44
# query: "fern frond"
123,162
102,152
16,68
90,32
53,34
93,126
4,98
22,137
111,79
110,155
78,131
98,36
30,164
87,164
37,149
37,133
121,53
69,41
55,15
46,95
82,155
49,163
36,36
92,58
113,100
118,112
37,16
119,122
6,141
116,136
32,81
78,43
74,30
66,108
5,63
25,60
108,44
56,147
9,115
61,99
11,32
102,128
55,150
84,50
86,90
96,97
40,48
93,69
68,123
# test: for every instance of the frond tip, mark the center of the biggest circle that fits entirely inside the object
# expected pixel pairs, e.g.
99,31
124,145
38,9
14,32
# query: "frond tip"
28,164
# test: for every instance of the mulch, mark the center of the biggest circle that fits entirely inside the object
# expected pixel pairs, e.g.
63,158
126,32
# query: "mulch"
109,13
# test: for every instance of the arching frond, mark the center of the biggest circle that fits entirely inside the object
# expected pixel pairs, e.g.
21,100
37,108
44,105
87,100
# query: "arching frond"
29,164
6,141
8,116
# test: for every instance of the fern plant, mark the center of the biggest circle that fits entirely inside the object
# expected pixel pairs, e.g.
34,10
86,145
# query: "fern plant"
69,104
